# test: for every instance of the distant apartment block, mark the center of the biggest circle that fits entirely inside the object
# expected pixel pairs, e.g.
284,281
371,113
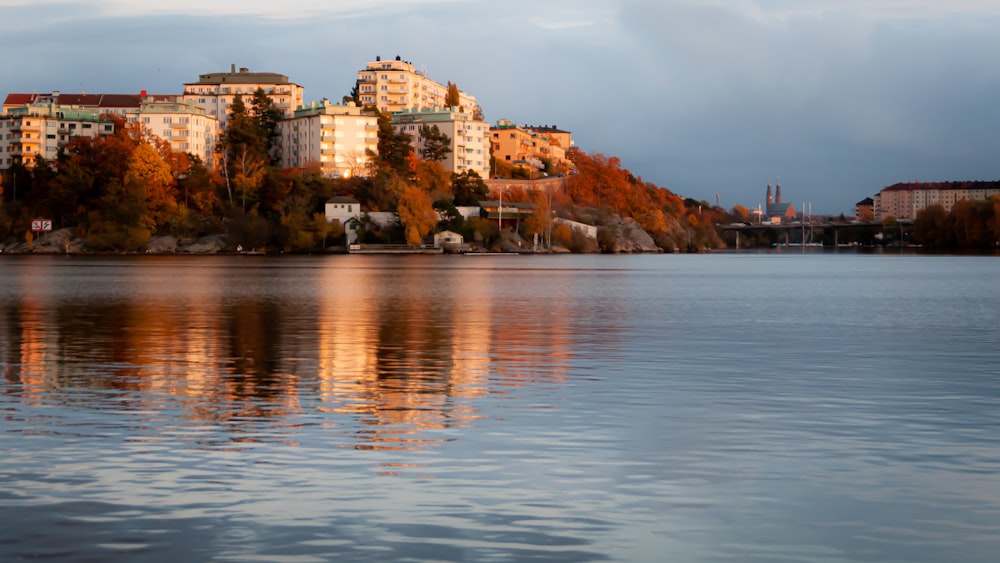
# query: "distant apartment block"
113,104
41,130
470,146
396,85
905,200
341,139
216,91
553,134
183,124
528,145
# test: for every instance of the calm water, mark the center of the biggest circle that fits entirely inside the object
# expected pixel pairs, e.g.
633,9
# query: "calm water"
738,407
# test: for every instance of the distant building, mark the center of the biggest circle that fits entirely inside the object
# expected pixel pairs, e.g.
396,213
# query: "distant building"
43,126
341,139
775,211
553,134
470,146
395,85
41,130
904,200
181,123
864,210
112,104
527,146
216,91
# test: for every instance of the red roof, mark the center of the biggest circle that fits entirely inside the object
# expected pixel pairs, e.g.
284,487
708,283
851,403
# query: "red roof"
87,100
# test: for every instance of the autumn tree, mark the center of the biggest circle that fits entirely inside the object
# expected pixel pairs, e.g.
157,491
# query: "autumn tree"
452,99
930,227
149,177
416,214
540,221
433,179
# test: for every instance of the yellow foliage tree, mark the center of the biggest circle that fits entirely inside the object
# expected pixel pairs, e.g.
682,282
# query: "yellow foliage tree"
417,214
149,175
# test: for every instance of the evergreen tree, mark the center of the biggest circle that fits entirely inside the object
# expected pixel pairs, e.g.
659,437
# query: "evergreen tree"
394,147
436,144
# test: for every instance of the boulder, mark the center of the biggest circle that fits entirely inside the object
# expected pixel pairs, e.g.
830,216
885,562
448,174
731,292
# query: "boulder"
162,245
624,235
210,244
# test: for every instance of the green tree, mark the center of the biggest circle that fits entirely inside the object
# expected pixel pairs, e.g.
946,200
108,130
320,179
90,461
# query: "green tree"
354,95
267,116
394,147
435,144
468,188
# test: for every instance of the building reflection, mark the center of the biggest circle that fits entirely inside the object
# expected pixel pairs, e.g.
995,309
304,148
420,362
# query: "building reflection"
403,352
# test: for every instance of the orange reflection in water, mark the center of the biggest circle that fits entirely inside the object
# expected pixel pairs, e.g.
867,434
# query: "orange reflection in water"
405,351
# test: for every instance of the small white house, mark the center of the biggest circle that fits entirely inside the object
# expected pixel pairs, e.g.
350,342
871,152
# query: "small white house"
447,237
347,211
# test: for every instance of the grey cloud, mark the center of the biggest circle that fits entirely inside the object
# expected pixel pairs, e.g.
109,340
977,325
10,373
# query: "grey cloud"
696,98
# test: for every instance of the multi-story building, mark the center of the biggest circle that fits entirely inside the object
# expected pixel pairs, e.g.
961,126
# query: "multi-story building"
393,86
113,104
41,130
341,139
527,147
183,124
904,200
216,91
553,134
470,145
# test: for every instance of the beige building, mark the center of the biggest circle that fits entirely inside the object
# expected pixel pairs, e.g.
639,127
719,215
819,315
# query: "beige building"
903,201
526,146
216,91
396,85
470,146
30,131
183,124
113,104
341,139
553,134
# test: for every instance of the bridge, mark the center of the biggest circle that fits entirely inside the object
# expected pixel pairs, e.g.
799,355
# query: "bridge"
818,232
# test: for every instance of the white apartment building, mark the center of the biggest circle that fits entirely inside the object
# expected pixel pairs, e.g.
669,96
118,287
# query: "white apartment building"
182,123
396,85
470,141
30,131
216,91
342,139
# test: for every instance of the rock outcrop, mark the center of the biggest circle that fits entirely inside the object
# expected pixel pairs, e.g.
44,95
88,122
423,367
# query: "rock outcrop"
624,235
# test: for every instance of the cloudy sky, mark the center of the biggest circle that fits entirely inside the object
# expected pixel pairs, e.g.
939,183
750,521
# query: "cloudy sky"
836,98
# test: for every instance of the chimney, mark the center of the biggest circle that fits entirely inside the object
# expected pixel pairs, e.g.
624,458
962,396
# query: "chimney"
232,68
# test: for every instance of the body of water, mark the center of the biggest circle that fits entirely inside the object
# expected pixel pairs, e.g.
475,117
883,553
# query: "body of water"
730,407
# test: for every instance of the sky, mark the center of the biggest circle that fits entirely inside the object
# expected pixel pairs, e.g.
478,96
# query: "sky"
834,99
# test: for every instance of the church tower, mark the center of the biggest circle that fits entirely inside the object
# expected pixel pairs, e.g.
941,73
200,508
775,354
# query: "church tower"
777,192
769,200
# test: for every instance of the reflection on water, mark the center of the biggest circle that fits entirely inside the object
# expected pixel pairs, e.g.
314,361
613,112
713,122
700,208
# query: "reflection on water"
765,407
402,349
